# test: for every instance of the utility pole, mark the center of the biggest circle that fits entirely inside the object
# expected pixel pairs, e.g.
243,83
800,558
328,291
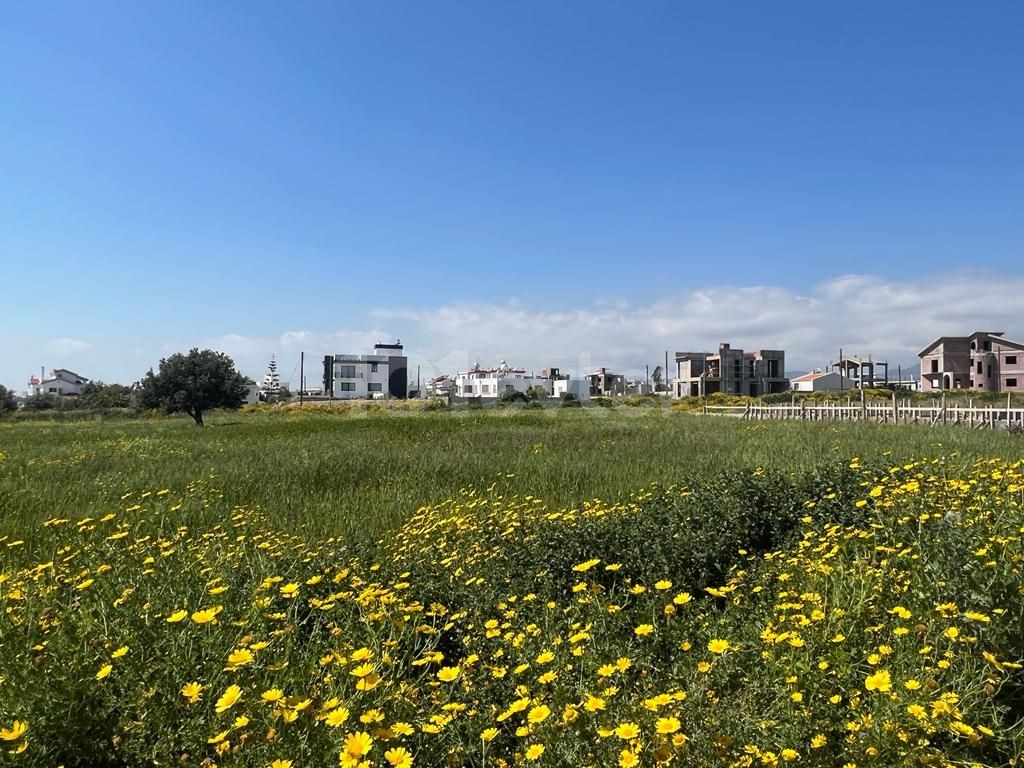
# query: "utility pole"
302,374
648,368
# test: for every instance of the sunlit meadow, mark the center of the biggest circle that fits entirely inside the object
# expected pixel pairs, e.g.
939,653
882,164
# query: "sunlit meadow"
631,587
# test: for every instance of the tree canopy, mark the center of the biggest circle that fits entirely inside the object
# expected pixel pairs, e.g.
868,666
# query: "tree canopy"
96,394
8,400
194,383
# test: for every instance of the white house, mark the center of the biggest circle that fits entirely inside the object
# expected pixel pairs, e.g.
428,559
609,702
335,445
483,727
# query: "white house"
819,381
495,382
384,374
441,386
578,388
61,383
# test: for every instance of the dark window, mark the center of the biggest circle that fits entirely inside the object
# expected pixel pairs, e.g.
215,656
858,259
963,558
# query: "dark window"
988,371
349,371
987,346
935,366
1011,382
974,345
979,366
348,386
1011,359
373,367
374,387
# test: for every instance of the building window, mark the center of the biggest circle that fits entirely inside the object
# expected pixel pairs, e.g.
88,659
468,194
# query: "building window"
935,365
468,389
485,389
987,346
346,371
1011,382
348,386
373,367
52,389
374,387
979,366
1011,359
988,371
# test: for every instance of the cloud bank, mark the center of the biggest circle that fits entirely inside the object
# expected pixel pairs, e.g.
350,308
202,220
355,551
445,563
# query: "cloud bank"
862,314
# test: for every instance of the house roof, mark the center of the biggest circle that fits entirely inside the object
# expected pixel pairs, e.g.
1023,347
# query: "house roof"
995,334
71,373
811,376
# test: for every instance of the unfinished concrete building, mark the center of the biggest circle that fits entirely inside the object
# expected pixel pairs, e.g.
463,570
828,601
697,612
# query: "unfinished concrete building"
730,371
983,361
865,373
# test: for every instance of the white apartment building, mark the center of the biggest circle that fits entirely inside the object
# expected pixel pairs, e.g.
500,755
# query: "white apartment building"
384,374
495,382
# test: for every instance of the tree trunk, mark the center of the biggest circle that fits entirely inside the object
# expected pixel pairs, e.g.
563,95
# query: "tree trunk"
198,416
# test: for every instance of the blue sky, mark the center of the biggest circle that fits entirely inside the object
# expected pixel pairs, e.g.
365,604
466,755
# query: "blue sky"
532,181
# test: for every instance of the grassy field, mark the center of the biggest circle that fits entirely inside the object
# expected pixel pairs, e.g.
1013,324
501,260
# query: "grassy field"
360,475
509,588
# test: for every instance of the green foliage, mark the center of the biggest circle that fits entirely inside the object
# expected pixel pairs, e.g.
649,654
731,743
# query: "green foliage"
510,398
656,378
41,403
97,395
8,401
194,383
537,392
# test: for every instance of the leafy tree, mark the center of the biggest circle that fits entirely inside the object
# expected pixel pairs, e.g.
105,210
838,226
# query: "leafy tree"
656,378
194,383
512,396
537,392
271,387
8,400
96,394
41,403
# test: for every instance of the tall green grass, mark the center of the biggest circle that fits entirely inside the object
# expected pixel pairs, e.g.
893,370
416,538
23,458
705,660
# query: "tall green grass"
359,475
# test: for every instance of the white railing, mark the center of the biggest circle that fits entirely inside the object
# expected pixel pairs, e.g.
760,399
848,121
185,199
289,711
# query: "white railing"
895,412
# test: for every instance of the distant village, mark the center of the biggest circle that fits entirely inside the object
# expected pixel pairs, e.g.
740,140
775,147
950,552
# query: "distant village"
984,361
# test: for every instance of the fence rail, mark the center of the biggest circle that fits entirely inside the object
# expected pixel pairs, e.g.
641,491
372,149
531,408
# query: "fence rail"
895,412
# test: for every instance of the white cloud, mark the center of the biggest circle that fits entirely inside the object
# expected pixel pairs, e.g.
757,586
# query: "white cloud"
70,346
863,314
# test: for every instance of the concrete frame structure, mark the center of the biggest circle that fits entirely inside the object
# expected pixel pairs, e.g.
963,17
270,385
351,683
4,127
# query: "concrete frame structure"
730,371
604,383
861,371
983,362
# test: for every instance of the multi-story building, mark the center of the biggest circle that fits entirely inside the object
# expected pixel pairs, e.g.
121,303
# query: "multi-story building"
983,361
61,383
604,383
730,371
384,374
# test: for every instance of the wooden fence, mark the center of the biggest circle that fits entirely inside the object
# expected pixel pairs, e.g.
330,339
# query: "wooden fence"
894,412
